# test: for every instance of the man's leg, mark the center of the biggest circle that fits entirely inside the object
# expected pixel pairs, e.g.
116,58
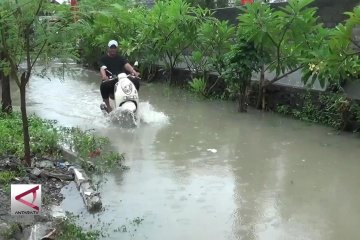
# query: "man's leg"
107,103
106,88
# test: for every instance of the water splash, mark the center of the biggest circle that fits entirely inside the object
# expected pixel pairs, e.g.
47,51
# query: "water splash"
125,119
147,114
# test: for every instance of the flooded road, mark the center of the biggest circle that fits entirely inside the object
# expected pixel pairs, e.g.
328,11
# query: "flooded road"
200,170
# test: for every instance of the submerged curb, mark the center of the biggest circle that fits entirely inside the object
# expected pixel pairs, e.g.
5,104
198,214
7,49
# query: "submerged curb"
87,191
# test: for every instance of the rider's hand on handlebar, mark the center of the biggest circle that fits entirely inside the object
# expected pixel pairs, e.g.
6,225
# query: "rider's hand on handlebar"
135,73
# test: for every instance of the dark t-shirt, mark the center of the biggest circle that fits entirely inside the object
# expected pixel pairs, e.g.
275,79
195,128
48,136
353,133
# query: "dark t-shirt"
114,64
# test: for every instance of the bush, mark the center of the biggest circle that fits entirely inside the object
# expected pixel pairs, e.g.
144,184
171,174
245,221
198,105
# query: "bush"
240,63
67,229
331,109
43,140
198,85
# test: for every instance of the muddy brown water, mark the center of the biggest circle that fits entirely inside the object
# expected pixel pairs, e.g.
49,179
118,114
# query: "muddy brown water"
200,170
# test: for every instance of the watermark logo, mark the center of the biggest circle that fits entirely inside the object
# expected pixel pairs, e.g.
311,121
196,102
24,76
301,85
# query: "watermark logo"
25,199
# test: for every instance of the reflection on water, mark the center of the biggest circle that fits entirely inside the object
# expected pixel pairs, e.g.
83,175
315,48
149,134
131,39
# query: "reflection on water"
269,178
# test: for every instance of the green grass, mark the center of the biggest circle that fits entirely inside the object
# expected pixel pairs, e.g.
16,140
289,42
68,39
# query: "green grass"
69,230
5,180
10,233
43,135
6,177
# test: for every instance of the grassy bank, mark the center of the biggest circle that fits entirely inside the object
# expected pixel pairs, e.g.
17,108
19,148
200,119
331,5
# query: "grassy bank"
94,156
64,230
46,137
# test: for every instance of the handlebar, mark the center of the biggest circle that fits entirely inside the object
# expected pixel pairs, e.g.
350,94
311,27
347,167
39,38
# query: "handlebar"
115,77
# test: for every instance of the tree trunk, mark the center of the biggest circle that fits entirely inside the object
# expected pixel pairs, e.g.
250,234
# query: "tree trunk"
171,72
242,99
6,104
259,103
25,121
263,105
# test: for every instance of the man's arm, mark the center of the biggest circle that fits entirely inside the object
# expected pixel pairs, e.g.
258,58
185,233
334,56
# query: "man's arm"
103,73
130,69
102,69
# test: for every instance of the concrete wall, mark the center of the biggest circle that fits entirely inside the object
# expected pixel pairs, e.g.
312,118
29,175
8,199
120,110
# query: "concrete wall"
331,12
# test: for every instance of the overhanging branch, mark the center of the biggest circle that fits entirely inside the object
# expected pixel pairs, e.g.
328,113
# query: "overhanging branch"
36,14
282,76
38,54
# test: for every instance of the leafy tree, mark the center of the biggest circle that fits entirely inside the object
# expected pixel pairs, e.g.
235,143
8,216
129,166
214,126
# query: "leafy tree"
283,37
241,62
140,43
214,39
172,27
27,38
161,33
101,21
338,58
128,29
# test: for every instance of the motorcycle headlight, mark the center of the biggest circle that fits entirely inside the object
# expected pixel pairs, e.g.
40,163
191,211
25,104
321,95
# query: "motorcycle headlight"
127,88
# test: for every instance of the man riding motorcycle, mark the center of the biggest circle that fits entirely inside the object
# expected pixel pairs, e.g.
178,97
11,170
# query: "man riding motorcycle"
113,64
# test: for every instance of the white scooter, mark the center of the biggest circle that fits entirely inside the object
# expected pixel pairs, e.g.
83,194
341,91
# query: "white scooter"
124,102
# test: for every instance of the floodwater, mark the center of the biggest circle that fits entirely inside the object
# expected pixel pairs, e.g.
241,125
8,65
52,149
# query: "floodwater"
200,170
